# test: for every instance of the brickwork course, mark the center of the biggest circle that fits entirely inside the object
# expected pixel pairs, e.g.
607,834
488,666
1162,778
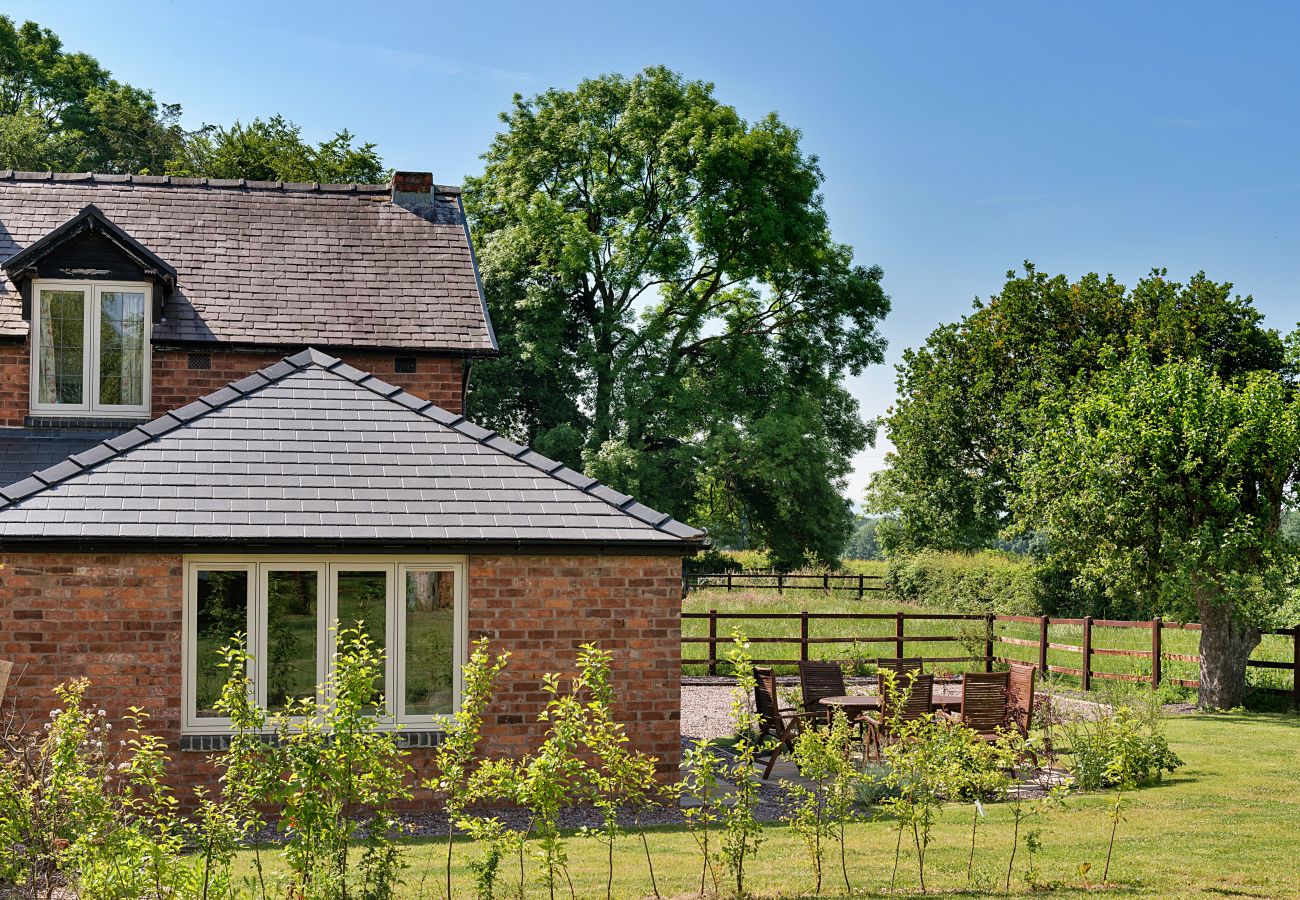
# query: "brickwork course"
116,619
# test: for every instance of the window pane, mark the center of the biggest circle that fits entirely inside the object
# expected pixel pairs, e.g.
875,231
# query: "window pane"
362,601
290,637
430,641
222,613
121,348
62,344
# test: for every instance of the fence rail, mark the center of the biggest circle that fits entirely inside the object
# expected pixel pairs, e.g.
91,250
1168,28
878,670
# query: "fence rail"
1086,649
1156,656
779,581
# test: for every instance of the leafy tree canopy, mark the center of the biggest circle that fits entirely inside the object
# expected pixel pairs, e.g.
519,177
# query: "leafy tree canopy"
1162,485
673,313
62,111
863,543
274,150
969,399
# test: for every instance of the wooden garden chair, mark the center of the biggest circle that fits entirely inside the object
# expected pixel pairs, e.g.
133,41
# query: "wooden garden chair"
818,680
901,667
781,724
1020,698
984,703
915,702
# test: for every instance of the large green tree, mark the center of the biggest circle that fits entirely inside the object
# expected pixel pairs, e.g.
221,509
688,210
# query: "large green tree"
1163,487
62,111
274,150
673,312
969,398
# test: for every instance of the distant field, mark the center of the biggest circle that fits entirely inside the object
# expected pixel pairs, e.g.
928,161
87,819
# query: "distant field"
1174,641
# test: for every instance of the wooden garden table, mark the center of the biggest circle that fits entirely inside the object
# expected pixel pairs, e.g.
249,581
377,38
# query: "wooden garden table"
856,704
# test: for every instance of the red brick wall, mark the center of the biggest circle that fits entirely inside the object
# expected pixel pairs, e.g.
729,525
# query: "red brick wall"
541,608
117,620
15,387
436,378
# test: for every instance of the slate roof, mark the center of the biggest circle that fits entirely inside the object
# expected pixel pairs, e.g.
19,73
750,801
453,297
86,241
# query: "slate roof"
25,450
274,263
312,449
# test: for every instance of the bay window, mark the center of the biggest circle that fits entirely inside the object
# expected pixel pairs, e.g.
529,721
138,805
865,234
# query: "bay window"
411,608
90,348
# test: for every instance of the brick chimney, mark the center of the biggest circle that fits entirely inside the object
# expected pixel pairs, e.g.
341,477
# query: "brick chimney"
413,190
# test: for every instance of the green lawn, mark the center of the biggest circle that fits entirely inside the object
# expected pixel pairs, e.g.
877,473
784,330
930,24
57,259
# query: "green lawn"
1225,825
1176,641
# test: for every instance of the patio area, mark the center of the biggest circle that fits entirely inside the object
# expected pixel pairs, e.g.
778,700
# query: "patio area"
707,714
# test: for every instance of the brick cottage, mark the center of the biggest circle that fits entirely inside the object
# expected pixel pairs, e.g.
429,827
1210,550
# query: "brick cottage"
235,407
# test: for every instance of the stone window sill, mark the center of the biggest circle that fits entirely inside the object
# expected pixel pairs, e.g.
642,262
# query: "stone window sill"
212,743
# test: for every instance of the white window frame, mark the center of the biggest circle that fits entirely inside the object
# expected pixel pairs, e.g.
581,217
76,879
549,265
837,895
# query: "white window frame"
90,349
326,609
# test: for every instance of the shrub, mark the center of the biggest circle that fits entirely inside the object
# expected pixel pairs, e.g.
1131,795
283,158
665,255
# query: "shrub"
1120,749
457,755
711,561
81,810
989,581
330,769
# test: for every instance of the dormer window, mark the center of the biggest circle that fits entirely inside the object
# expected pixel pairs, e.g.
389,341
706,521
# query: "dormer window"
90,347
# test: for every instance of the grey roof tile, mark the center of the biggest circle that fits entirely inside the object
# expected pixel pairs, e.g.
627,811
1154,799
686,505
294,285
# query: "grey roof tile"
321,452
278,264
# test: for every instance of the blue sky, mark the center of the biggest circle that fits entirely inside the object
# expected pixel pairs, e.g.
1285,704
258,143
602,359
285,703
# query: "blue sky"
957,139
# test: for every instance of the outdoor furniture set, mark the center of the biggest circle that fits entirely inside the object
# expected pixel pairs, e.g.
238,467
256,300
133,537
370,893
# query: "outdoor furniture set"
989,702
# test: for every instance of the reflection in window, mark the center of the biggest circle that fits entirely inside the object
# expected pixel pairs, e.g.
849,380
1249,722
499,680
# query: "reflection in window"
290,637
221,615
121,348
363,601
60,378
430,641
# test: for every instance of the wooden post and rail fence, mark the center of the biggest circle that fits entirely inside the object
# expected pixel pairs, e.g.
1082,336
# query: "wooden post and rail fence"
983,630
861,585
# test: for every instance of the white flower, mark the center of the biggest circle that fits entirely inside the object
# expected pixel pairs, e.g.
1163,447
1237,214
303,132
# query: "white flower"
54,714
101,713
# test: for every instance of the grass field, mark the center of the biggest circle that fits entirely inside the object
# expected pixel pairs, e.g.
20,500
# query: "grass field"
1176,641
1224,825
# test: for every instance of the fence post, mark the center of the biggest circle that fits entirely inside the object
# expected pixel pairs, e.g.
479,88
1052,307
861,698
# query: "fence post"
1156,627
988,642
898,635
713,642
803,636
1043,622
728,581
1087,653
862,585
1295,667
780,584
826,582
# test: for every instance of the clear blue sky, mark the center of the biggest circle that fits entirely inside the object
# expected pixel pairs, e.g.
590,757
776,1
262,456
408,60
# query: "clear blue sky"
957,139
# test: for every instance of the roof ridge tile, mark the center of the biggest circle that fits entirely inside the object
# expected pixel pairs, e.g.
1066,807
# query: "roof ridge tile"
244,184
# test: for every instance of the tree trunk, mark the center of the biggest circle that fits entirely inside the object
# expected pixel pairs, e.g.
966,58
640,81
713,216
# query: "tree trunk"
1226,644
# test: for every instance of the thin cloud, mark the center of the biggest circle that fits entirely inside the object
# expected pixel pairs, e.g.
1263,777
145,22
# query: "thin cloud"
414,61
